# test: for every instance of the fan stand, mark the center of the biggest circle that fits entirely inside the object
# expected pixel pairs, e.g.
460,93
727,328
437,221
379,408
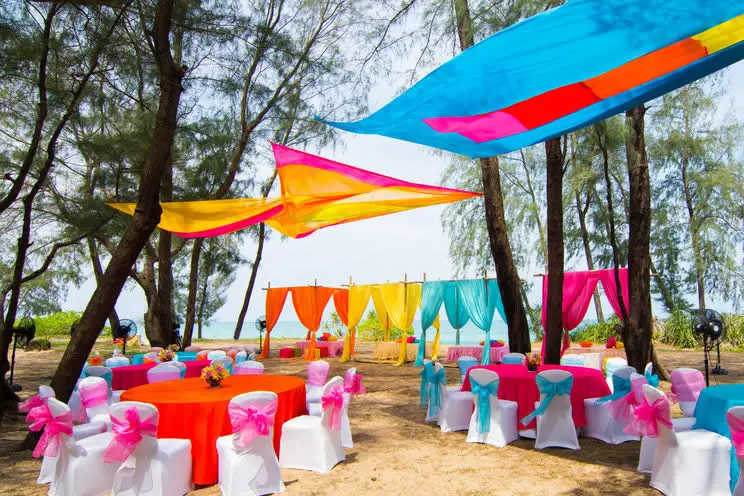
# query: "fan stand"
260,340
13,387
718,370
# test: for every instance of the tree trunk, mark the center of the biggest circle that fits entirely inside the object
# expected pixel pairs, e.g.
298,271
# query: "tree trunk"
588,250
95,260
146,215
638,331
165,270
251,281
506,271
693,229
203,301
188,330
554,318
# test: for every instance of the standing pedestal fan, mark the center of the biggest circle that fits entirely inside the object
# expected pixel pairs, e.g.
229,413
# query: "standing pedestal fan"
126,331
261,328
23,333
709,329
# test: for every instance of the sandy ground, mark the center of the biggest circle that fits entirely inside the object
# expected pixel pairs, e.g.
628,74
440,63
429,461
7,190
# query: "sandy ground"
395,451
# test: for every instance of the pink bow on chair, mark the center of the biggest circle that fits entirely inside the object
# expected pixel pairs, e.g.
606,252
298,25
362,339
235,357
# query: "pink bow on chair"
250,422
736,425
355,386
41,417
621,409
335,401
30,404
645,418
127,434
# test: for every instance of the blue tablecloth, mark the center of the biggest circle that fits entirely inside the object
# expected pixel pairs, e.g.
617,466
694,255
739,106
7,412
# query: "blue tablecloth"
710,414
183,356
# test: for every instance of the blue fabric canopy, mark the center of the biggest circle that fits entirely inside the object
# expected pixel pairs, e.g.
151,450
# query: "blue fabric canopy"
432,295
481,300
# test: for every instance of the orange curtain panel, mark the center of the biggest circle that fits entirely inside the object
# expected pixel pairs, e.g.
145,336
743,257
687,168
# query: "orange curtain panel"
341,303
309,303
275,298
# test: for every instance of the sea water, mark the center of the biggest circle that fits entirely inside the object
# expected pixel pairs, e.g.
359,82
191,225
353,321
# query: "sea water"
469,334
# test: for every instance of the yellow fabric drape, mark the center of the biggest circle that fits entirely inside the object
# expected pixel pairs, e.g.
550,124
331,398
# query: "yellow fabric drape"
435,346
382,312
358,301
401,301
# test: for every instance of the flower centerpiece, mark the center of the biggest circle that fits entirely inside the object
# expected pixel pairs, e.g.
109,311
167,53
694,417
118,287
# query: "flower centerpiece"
96,359
214,374
166,355
174,348
534,360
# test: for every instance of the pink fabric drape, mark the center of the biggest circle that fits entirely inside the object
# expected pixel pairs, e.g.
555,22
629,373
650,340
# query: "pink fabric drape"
334,399
578,289
249,422
128,432
51,437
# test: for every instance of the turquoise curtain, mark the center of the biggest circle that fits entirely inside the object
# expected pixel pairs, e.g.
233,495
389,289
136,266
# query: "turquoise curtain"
432,295
481,299
455,309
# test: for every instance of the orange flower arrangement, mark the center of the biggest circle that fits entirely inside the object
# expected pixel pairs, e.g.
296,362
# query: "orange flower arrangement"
166,355
214,374
534,360
95,359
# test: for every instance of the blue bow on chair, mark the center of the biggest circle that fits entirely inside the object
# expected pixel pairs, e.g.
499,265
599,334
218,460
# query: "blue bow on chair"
620,387
424,388
653,379
435,397
484,393
550,390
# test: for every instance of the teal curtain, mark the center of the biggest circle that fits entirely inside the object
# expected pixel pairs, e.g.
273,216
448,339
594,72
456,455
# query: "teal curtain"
481,299
432,295
455,309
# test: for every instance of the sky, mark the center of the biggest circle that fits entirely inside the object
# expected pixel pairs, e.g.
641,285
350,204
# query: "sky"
384,249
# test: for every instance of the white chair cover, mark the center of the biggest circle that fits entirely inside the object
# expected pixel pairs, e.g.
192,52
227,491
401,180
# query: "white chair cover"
456,406
436,381
555,428
248,368
687,384
224,360
317,374
193,348
155,467
611,365
94,398
573,360
163,372
241,357
346,438
737,413
180,366
514,358
77,469
313,443
117,361
502,422
151,355
212,355
600,424
252,468
691,463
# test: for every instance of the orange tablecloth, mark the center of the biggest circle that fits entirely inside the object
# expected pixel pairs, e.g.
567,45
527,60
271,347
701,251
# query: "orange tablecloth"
190,410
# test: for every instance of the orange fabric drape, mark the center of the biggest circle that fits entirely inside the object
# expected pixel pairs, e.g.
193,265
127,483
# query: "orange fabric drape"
275,298
309,303
341,302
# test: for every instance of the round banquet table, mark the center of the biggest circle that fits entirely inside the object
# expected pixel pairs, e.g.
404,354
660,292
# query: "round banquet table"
131,376
189,409
516,383
390,350
596,355
335,348
459,350
183,356
710,414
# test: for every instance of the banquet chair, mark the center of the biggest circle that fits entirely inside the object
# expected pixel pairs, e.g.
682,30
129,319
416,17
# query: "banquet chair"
314,443
456,407
163,372
735,419
513,359
686,386
214,354
154,349
151,466
493,421
94,396
247,461
151,357
180,366
572,360
648,444
75,468
317,373
690,463
611,365
106,374
241,357
607,417
249,368
224,360
78,431
464,363
117,361
193,348
555,426
433,389
352,387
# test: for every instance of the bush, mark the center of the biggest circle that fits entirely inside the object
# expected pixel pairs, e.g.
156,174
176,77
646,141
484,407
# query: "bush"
734,325
676,330
370,329
57,325
598,332
40,344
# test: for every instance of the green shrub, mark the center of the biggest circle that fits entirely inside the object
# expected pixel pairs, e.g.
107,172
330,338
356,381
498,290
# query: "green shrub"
39,344
598,332
57,325
676,330
734,325
370,329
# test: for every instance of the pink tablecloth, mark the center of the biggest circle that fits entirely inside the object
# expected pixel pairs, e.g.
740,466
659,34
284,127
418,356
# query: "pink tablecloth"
459,350
335,348
516,383
136,375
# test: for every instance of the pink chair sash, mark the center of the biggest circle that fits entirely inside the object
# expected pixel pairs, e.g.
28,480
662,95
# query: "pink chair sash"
41,417
93,395
353,385
334,400
686,385
317,372
162,375
622,408
31,403
646,418
250,422
128,433
242,369
736,426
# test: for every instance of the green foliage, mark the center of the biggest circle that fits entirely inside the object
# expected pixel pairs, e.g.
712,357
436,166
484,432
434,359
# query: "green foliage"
734,325
676,330
334,325
370,329
40,344
598,332
56,324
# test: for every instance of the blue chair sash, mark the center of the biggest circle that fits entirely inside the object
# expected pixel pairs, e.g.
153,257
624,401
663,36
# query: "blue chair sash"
486,358
421,353
182,373
620,387
424,388
550,390
484,393
108,377
436,379
652,379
